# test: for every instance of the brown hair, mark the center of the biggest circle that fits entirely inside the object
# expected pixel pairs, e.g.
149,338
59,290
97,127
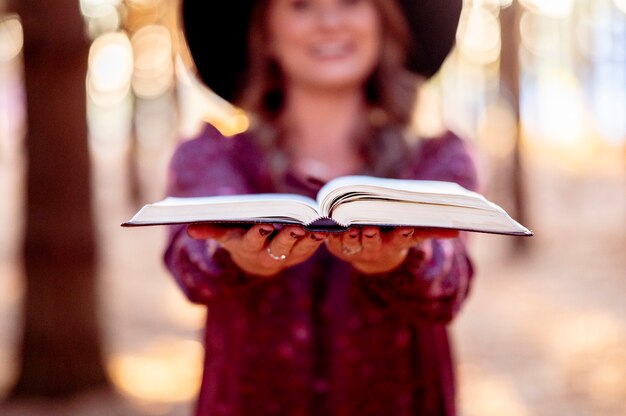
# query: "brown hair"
390,90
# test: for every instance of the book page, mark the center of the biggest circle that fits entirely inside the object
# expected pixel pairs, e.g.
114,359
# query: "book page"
357,187
372,211
229,208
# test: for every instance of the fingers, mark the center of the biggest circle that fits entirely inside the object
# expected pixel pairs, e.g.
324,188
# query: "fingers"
262,245
306,245
285,239
372,234
251,239
201,231
351,241
402,237
377,243
372,242
254,239
370,249
371,239
211,231
424,233
261,249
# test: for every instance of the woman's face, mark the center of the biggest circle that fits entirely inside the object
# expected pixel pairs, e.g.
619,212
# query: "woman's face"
325,43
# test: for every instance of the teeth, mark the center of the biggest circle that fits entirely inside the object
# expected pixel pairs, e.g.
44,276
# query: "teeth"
334,49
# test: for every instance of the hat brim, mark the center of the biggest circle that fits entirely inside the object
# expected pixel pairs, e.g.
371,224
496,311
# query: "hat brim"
216,37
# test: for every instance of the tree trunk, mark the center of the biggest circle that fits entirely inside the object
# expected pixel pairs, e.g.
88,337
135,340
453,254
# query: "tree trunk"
510,81
60,349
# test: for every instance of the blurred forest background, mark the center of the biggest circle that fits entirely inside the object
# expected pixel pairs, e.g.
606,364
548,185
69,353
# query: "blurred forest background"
95,94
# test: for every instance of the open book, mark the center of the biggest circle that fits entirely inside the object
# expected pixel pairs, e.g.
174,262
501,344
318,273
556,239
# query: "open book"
344,202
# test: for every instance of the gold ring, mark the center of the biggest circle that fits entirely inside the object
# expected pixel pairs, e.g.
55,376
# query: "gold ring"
275,257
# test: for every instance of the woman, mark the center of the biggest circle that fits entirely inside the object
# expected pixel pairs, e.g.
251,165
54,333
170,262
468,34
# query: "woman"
303,323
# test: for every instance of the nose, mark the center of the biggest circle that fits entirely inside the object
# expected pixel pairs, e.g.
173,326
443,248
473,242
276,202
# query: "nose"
329,15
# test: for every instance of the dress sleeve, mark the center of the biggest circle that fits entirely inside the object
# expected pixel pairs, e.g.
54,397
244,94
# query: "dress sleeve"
203,269
205,165
434,280
430,285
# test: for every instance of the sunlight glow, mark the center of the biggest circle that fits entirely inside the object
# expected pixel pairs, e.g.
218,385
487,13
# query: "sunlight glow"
156,120
12,95
144,3
93,8
153,66
230,124
609,106
621,5
168,371
478,37
552,8
110,68
199,104
493,3
497,128
103,20
109,123
487,394
428,117
11,38
540,35
554,108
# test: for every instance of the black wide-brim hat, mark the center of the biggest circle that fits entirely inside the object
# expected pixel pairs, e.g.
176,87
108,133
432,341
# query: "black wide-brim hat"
216,34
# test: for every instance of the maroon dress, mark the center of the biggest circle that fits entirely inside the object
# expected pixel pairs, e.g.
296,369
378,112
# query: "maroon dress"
320,338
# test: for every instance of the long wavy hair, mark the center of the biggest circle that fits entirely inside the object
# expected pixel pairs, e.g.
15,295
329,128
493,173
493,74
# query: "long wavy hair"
390,92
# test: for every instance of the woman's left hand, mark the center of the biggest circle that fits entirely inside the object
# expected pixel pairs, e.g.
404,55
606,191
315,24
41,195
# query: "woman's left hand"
372,250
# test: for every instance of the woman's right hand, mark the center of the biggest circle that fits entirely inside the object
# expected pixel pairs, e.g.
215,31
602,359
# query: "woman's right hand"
261,249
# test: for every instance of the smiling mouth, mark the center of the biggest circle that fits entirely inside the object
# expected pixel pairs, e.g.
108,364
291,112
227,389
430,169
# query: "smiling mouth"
334,50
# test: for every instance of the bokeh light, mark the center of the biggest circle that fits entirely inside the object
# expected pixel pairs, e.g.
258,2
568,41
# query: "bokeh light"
492,4
553,108
621,5
153,65
11,38
198,104
109,125
168,370
487,394
12,95
552,8
144,3
541,35
608,104
91,8
497,128
109,100
104,19
110,68
478,36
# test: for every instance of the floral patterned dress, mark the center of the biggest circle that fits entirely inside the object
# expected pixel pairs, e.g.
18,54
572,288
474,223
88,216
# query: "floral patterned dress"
320,338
